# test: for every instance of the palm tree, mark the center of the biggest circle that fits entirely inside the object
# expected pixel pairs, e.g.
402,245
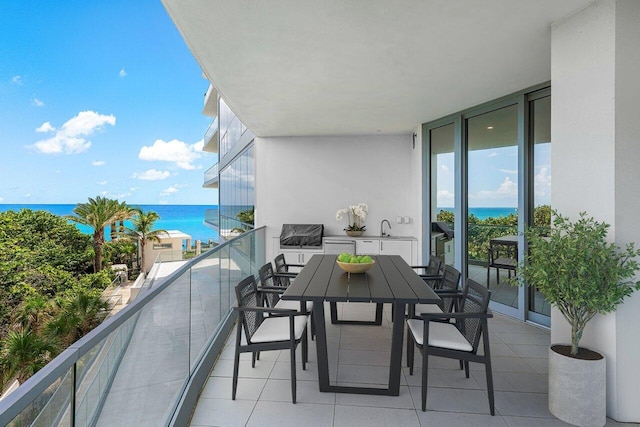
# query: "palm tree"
77,315
33,312
142,231
97,214
24,353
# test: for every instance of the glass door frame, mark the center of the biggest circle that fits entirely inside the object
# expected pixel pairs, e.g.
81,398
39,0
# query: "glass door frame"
525,185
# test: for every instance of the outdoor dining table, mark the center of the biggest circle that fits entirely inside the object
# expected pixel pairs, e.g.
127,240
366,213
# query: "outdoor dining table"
390,280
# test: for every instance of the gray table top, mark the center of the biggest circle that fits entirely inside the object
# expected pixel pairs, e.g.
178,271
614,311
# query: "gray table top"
390,280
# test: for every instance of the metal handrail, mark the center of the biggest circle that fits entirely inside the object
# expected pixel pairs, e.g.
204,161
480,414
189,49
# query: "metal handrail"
17,401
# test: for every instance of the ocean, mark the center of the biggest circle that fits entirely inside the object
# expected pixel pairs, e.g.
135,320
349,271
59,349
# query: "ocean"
187,218
484,213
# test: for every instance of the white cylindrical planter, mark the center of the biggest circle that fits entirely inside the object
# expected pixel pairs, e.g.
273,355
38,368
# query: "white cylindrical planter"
577,390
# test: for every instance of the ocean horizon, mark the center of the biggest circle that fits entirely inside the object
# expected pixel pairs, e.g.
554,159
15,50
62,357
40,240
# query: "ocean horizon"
485,212
186,218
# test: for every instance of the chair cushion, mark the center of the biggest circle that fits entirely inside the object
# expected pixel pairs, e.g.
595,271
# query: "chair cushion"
293,305
277,329
442,335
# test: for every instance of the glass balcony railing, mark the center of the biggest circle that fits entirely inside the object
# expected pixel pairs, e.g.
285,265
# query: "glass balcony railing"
210,139
211,216
142,365
211,173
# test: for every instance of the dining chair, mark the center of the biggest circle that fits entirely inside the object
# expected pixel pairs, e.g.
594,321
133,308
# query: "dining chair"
447,289
286,276
266,328
458,340
430,272
271,287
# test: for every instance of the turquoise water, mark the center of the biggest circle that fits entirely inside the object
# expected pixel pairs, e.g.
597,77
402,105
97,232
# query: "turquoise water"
187,218
484,213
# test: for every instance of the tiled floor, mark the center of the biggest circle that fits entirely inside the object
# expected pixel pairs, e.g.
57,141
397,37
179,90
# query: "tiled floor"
359,354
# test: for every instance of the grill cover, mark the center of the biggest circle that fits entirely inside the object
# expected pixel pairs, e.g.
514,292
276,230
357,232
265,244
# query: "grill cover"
301,235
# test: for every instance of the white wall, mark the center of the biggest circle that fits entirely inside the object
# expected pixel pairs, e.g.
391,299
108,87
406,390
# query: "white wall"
594,70
307,179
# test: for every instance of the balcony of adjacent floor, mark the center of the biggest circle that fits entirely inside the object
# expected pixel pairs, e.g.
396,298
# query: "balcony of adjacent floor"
211,137
211,177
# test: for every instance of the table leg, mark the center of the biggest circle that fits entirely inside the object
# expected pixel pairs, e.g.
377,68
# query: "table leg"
395,366
335,321
321,345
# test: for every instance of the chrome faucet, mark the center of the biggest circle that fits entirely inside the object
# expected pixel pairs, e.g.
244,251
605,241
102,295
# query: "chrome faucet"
382,232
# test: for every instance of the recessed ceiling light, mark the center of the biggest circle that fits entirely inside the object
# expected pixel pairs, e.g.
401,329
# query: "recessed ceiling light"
489,127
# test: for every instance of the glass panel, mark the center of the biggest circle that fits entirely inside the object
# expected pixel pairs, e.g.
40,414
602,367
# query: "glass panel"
541,128
442,193
492,220
50,408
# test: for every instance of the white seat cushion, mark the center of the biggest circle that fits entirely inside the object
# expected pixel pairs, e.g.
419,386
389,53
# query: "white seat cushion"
443,335
293,305
277,329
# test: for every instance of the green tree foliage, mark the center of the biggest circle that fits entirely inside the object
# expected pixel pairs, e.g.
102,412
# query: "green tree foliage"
44,262
97,214
23,353
78,311
246,216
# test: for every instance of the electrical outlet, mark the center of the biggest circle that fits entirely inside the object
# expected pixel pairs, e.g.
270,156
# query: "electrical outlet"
398,220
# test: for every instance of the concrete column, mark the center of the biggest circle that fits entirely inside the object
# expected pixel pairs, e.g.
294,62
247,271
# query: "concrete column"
595,65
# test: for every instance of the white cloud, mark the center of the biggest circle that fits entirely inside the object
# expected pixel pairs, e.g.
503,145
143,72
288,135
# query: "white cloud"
16,80
493,154
151,175
169,191
510,171
1,199
542,186
178,152
70,138
445,198
27,195
505,195
508,187
45,127
36,102
98,163
102,183
122,73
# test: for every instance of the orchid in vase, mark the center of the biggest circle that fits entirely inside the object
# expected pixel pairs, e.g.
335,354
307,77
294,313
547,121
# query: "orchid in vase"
356,215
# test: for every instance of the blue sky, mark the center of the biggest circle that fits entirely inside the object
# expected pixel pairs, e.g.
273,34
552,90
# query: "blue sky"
493,177
99,98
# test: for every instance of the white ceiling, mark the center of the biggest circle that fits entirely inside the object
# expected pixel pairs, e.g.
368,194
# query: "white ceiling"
337,67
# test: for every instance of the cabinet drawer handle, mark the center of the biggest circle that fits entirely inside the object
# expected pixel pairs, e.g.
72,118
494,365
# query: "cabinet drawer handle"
367,241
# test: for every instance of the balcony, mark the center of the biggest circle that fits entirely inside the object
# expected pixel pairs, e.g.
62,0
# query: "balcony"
211,177
360,355
211,137
210,102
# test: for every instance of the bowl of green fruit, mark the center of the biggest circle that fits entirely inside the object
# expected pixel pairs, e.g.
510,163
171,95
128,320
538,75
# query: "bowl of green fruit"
354,263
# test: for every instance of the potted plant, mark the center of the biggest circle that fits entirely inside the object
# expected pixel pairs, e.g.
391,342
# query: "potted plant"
582,275
356,215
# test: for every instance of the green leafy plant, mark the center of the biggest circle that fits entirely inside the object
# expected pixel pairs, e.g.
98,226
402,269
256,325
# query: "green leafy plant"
578,271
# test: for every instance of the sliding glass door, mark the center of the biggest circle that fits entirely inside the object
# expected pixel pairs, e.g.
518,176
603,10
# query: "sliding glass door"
487,176
492,201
